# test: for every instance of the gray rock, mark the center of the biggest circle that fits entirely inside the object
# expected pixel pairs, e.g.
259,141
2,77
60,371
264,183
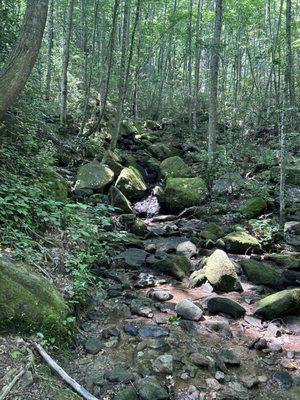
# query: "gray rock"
199,360
187,249
228,357
151,389
220,376
188,326
163,364
225,305
283,379
153,332
126,394
93,345
119,375
293,324
134,257
160,295
188,310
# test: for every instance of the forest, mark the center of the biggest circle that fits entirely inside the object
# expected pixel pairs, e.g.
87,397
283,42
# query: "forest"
149,199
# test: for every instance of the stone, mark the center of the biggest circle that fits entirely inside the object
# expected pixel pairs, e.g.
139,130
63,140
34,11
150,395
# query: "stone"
279,305
283,379
175,167
134,257
29,303
119,375
240,243
126,394
199,360
153,332
139,227
197,278
177,266
225,305
289,261
119,201
187,249
262,274
188,326
220,376
181,193
131,183
93,345
188,310
229,183
228,357
160,295
141,307
163,364
220,272
113,161
254,207
151,389
293,324
94,176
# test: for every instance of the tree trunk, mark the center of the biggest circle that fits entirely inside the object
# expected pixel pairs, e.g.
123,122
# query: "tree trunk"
65,63
289,71
214,73
50,50
22,58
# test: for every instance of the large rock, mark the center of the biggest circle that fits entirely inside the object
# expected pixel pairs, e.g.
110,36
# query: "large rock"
94,176
181,193
187,249
151,389
224,305
241,242
220,272
188,310
28,303
134,257
113,161
131,183
279,305
262,274
177,266
288,260
161,151
175,167
128,128
126,394
119,201
254,207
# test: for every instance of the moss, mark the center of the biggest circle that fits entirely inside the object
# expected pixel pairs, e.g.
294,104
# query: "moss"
129,128
181,193
212,231
28,303
161,150
288,261
262,274
197,278
175,167
240,242
177,266
278,305
139,227
208,235
220,272
118,200
254,207
94,176
131,183
113,161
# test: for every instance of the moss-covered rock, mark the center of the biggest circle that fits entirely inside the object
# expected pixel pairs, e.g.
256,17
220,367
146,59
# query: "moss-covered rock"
181,193
175,167
262,274
161,151
289,261
126,394
28,303
113,161
197,278
131,183
177,266
241,242
212,232
128,128
280,304
254,207
94,176
119,201
139,227
224,305
220,272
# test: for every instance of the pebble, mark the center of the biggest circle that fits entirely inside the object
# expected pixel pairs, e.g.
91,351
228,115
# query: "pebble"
199,360
220,376
188,310
160,295
153,331
283,379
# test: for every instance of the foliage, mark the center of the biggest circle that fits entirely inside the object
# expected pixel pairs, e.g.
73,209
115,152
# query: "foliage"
266,229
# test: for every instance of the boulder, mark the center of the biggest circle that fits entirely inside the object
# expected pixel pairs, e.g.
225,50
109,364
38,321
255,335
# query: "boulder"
279,305
254,207
240,242
139,227
188,310
113,161
220,272
197,278
151,389
224,305
177,266
134,257
181,193
262,274
187,249
161,150
288,260
28,303
119,201
126,394
94,176
131,183
128,128
163,364
175,167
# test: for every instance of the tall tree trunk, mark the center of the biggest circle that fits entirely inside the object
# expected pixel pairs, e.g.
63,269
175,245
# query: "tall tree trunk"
197,60
189,34
65,62
289,72
214,73
50,50
22,58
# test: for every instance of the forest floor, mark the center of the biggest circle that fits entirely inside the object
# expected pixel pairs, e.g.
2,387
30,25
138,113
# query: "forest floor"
127,333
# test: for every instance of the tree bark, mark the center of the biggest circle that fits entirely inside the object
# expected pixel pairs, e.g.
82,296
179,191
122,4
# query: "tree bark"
50,50
22,58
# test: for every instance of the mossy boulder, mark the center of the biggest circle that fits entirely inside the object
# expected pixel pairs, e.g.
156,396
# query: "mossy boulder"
289,261
139,227
254,207
28,303
119,201
113,161
94,176
161,151
212,232
262,274
181,193
197,278
177,266
241,242
131,183
128,128
222,304
126,394
221,273
175,167
279,305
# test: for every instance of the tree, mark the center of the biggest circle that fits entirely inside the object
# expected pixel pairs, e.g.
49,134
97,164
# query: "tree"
50,50
22,58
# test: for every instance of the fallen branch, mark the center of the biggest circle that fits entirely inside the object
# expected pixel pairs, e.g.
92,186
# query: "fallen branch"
70,381
7,388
